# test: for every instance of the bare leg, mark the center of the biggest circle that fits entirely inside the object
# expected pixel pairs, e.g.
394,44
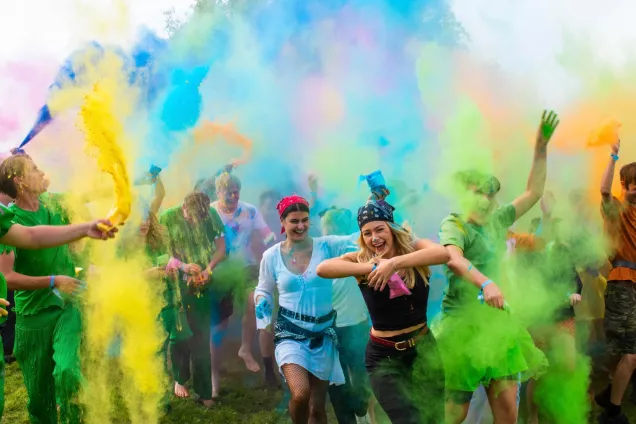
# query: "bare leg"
249,332
215,353
318,400
502,396
533,411
621,377
298,381
371,410
456,413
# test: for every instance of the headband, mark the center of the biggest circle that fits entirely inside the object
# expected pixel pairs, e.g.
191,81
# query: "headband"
375,211
287,202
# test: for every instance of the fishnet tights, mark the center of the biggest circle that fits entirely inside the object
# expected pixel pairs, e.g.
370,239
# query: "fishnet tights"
308,395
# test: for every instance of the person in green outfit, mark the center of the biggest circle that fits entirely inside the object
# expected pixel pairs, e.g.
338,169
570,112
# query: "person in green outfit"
43,349
481,345
197,246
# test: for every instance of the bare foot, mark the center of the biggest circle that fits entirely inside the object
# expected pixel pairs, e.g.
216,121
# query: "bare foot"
250,362
207,404
180,391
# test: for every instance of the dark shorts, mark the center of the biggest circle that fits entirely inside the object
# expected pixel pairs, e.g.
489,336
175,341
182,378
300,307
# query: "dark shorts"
620,317
222,309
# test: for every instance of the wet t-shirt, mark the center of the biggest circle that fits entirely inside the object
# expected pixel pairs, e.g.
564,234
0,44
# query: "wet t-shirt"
239,227
483,245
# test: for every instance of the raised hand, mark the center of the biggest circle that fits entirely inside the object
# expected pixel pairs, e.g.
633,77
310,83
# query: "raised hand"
312,182
549,123
616,146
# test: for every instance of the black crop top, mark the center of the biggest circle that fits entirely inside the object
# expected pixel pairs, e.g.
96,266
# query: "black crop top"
400,312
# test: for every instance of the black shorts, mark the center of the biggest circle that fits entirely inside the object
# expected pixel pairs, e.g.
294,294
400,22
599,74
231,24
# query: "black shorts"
222,309
620,317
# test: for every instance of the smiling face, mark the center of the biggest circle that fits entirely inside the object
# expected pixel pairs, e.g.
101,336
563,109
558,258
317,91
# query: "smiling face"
296,225
230,196
378,238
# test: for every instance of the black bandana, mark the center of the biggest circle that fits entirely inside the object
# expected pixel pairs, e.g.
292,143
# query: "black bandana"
375,211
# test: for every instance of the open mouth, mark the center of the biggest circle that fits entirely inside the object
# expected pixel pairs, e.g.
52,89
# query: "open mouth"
299,232
379,245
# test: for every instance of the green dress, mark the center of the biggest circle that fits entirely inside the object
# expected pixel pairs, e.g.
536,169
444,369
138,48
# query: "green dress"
190,335
478,343
48,329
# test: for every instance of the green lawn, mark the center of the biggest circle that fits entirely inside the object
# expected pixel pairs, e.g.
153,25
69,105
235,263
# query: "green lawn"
244,400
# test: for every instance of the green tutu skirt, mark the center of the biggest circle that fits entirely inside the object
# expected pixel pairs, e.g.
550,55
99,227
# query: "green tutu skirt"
480,344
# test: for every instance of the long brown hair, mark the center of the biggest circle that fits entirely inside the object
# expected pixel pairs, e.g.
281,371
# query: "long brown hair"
156,239
402,244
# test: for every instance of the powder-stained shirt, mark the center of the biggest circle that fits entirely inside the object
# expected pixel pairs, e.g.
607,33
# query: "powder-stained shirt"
620,225
42,262
483,245
6,221
190,242
239,227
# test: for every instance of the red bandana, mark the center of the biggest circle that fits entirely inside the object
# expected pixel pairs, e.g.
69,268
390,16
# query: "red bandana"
287,202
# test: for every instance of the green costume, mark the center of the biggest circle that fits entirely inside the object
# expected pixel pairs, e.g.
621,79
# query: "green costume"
48,329
190,332
6,221
478,343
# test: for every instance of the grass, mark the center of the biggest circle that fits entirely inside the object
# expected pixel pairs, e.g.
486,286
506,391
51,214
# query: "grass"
244,400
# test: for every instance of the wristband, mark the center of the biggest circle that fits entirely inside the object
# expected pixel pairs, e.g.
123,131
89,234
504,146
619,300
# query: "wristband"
615,157
485,284
52,282
374,267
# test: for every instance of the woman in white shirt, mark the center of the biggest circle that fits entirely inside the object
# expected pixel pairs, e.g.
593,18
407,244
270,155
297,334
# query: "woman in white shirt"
304,334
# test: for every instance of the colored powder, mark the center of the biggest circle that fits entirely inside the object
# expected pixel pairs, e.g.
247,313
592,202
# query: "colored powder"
120,304
103,132
209,131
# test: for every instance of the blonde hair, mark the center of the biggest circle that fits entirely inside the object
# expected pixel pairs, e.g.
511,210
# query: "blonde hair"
402,244
226,180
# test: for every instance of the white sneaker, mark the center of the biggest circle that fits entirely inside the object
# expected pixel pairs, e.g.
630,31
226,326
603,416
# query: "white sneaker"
363,420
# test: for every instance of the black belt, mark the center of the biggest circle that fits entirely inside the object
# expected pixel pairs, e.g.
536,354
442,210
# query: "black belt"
619,263
306,318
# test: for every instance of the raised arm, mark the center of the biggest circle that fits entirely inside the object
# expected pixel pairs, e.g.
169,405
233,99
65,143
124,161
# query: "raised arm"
536,180
608,174
344,266
159,195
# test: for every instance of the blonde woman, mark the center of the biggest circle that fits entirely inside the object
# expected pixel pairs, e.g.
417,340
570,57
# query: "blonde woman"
401,356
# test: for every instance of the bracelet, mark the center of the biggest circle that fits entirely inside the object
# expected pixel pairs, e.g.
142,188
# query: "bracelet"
615,157
485,284
374,267
52,282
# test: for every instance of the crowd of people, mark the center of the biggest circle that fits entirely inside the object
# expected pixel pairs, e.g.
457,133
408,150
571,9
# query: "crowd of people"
341,315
